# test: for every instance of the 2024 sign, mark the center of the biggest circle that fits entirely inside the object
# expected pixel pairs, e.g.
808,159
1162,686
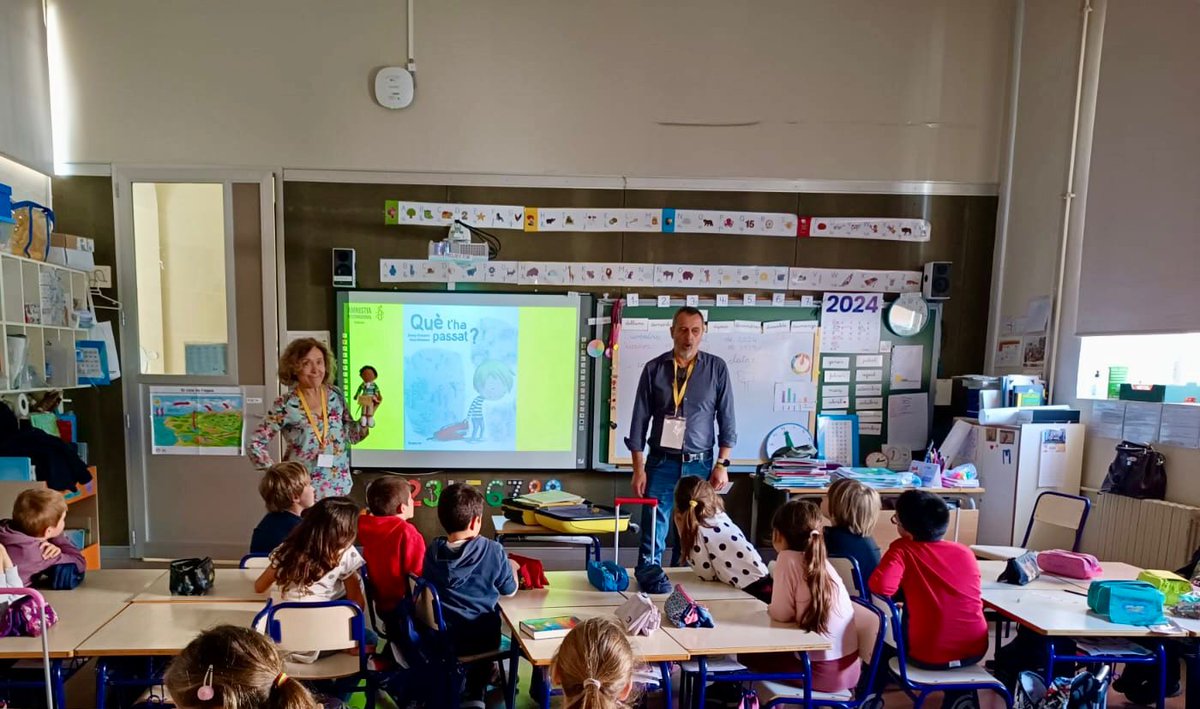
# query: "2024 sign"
851,304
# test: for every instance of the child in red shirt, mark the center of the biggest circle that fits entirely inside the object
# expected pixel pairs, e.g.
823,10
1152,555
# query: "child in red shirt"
943,604
391,546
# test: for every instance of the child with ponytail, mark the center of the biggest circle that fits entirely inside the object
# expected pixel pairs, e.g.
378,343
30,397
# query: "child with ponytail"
594,665
711,543
229,667
808,592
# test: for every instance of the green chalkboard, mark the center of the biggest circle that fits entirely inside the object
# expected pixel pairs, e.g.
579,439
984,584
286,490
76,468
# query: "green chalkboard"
608,437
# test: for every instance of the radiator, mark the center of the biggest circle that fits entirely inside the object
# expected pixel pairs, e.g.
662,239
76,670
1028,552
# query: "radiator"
1151,534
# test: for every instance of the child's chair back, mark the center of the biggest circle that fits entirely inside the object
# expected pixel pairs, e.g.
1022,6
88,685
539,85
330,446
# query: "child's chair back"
870,624
427,608
308,626
847,568
255,561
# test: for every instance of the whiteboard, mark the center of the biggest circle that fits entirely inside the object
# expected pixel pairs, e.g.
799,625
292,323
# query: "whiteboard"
757,362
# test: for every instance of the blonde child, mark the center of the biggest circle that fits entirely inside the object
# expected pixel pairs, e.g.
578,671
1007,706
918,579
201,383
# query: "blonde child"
318,561
287,490
594,665
229,667
711,543
853,509
809,593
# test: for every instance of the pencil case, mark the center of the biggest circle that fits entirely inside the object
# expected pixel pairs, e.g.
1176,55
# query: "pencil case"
1073,565
1170,583
1126,602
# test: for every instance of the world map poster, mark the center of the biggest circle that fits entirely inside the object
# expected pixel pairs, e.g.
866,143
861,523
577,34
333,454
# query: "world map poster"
197,421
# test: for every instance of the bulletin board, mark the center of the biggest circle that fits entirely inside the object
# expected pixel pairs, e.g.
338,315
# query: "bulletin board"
755,415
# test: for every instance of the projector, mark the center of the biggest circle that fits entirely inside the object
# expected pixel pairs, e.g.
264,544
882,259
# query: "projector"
457,246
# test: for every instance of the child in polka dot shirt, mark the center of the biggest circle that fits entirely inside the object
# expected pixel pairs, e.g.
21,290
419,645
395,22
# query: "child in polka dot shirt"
712,544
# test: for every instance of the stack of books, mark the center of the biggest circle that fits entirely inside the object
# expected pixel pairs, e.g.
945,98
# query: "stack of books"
879,477
795,472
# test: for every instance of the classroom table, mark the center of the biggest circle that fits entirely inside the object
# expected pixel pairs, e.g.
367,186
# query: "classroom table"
990,570
658,647
229,586
157,629
567,589
509,531
965,495
163,628
740,627
700,591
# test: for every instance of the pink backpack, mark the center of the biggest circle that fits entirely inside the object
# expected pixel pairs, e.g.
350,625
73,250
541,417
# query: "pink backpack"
1071,564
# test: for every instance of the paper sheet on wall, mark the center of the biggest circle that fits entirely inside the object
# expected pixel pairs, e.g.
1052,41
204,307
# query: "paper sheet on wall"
906,366
851,331
908,420
795,396
1180,425
1052,463
197,421
1108,419
1141,422
1008,353
103,331
837,435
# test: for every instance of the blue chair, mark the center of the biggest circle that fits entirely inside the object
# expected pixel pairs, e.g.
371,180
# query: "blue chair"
324,626
436,650
255,561
847,568
920,683
871,626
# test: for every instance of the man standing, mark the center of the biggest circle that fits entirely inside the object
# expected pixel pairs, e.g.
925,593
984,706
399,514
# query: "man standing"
680,395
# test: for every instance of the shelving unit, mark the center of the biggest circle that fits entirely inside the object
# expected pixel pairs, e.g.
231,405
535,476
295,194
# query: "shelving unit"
40,301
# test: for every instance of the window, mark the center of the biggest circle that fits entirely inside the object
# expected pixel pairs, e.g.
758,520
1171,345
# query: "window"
1137,359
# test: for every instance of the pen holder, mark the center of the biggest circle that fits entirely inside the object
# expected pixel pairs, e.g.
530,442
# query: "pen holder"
930,473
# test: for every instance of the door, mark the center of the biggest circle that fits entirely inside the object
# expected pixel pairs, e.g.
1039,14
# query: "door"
197,262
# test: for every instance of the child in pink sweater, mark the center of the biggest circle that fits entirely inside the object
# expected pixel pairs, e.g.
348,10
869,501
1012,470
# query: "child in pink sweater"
808,592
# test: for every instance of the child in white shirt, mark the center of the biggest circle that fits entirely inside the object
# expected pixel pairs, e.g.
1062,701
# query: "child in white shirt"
317,561
711,543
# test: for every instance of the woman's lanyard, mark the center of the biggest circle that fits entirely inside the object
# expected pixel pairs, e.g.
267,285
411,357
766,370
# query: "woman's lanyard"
323,431
676,391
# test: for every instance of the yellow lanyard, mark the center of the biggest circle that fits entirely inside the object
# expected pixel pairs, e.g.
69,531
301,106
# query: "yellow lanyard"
322,432
675,390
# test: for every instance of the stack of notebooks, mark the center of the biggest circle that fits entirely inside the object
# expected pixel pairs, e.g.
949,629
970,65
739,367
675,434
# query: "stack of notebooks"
879,477
549,498
786,472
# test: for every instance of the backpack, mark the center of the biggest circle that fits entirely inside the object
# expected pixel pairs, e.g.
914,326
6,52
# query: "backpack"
22,618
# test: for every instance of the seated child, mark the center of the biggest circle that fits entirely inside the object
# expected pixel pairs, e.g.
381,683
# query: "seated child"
853,509
470,574
240,667
287,489
594,665
392,547
35,542
943,603
712,544
318,561
810,593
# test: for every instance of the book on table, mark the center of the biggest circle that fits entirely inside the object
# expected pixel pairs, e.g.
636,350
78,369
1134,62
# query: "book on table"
546,628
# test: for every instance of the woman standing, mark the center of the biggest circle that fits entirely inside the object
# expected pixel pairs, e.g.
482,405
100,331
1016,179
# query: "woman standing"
312,415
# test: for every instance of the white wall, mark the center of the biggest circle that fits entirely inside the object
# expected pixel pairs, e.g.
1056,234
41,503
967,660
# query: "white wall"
27,184
1031,247
1026,256
825,89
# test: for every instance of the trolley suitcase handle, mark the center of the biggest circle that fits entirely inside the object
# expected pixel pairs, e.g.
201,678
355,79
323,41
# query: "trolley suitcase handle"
652,502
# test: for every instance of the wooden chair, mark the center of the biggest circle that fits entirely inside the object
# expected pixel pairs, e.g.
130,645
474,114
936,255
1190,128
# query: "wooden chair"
1057,522
321,627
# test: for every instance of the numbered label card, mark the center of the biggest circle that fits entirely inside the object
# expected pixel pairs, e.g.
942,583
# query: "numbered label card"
664,301
850,322
632,300
722,300
749,299
693,301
